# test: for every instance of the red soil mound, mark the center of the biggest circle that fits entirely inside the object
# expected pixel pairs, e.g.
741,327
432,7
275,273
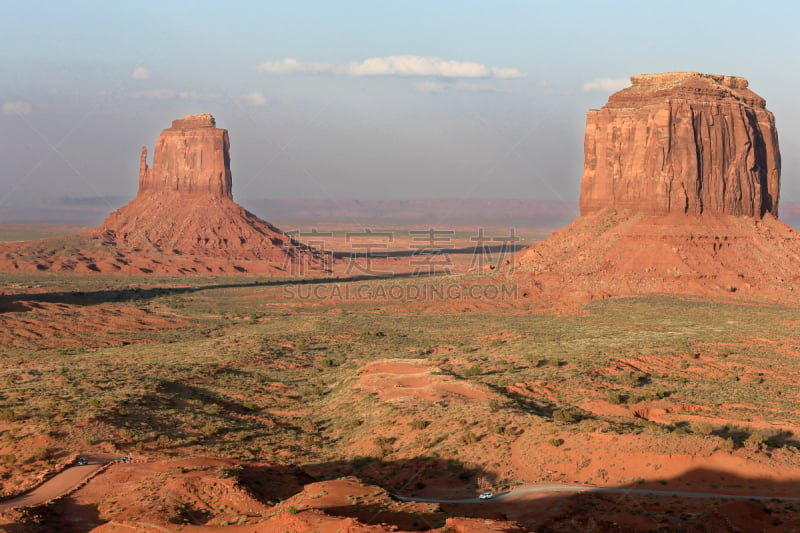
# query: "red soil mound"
402,380
612,253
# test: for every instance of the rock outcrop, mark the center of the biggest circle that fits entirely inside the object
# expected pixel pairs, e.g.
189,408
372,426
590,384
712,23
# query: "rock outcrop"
191,158
682,142
182,221
679,195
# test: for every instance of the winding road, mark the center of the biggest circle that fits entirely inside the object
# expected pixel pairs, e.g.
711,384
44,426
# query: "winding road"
521,492
54,487
70,477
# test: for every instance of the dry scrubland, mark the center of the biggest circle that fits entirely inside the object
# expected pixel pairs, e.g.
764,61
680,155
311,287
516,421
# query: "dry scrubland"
434,399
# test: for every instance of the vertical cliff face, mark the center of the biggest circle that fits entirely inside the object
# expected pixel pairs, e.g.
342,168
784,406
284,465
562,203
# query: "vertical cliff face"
191,159
681,181
682,142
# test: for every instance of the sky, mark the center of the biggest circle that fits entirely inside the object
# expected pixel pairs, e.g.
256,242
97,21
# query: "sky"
360,99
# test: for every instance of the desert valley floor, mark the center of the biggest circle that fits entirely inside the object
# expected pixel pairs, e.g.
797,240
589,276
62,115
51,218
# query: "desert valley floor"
274,404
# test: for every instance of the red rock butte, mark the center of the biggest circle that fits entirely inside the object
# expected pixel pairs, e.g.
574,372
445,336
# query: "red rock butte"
679,194
182,221
185,205
191,158
682,142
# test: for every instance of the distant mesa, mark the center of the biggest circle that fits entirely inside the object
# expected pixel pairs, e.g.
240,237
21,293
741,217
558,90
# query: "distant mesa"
182,221
682,142
679,194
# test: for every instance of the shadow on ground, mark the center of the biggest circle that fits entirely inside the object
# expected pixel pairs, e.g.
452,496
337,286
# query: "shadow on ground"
623,511
21,302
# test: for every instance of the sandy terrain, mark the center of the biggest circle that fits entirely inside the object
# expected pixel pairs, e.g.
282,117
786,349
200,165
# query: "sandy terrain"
271,413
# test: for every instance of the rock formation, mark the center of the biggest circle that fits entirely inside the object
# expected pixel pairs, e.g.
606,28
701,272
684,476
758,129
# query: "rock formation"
183,219
191,158
679,194
682,142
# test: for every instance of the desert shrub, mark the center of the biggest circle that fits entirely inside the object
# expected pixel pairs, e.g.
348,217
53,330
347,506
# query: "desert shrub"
353,424
7,415
212,409
632,379
473,371
493,427
727,445
312,391
8,458
555,442
703,428
467,437
756,441
615,398
556,362
210,428
383,445
41,454
494,405
419,424
564,415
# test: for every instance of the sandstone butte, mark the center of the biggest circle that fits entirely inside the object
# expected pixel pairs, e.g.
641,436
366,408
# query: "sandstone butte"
182,221
679,194
682,143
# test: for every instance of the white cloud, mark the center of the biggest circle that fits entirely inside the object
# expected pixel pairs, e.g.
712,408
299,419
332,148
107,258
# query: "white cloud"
16,108
290,66
140,73
255,99
427,67
400,65
606,84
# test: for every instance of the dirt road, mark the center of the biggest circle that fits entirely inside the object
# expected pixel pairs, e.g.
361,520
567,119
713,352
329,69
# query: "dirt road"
54,487
519,493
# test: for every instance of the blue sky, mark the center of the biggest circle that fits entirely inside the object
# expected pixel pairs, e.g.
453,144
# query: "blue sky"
487,99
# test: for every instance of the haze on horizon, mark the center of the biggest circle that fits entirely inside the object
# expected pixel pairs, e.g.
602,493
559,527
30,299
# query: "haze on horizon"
379,100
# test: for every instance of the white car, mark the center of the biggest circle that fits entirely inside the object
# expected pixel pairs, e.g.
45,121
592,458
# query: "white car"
486,495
